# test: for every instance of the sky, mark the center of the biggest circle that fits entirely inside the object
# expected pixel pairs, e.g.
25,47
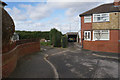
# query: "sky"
43,15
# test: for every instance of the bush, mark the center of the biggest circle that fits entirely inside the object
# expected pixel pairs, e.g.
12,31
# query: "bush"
64,41
57,40
6,26
55,37
45,43
34,34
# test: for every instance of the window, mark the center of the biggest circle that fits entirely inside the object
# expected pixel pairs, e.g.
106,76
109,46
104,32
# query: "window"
103,17
87,19
101,35
87,35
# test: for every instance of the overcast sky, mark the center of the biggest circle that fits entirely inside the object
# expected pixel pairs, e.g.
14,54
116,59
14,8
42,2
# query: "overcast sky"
42,15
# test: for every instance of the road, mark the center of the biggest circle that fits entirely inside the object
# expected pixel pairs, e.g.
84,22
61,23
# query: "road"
71,62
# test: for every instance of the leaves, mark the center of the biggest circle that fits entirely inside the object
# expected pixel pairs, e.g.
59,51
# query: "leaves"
34,34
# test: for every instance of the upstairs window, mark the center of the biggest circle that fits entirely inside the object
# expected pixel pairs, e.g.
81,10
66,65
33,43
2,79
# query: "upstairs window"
87,19
101,35
87,35
103,17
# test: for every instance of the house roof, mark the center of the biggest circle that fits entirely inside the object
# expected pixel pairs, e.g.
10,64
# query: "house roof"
72,33
3,3
105,8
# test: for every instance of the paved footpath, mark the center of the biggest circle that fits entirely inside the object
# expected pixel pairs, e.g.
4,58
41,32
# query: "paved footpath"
71,62
33,66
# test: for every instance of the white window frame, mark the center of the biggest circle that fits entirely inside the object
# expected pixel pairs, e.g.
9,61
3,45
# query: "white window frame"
87,35
87,17
101,15
102,32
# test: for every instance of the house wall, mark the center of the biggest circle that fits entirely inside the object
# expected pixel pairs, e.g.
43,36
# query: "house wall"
85,26
111,45
119,20
114,16
9,59
104,46
119,41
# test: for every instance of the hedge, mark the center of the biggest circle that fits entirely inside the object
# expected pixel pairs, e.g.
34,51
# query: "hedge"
64,41
34,34
55,37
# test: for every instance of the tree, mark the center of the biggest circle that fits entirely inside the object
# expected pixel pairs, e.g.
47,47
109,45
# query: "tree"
64,41
55,37
8,27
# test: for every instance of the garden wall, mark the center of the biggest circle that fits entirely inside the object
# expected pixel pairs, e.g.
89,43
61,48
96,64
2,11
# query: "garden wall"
9,59
103,46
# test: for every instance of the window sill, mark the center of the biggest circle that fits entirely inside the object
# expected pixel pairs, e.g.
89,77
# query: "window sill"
87,40
100,40
87,22
101,22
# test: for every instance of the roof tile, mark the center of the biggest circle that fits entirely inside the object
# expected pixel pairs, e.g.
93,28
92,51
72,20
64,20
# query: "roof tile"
105,8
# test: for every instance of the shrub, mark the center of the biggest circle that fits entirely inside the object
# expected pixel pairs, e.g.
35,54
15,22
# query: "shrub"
55,37
34,34
6,26
45,43
64,41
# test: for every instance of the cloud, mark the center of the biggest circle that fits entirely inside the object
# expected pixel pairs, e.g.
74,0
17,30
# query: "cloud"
17,14
37,12
29,17
8,9
59,0
25,0
77,0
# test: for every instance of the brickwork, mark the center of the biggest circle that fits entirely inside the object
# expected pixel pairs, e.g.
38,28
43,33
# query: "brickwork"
111,45
8,47
84,27
112,24
9,59
105,46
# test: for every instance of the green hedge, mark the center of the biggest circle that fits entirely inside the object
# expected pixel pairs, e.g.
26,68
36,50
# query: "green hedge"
55,37
34,34
45,43
64,41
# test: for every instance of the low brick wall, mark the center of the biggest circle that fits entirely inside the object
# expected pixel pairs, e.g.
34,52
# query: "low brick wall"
9,59
103,46
8,47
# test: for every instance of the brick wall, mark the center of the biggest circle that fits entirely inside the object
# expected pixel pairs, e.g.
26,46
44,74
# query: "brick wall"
8,47
112,24
9,59
105,46
119,41
85,26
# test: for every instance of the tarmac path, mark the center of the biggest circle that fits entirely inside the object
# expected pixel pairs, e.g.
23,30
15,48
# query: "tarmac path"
71,62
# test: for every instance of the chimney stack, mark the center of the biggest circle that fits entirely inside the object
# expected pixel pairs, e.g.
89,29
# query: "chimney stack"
2,4
117,2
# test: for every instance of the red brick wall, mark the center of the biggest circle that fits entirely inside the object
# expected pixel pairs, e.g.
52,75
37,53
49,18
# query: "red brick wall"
105,46
9,59
119,42
8,47
102,46
85,26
